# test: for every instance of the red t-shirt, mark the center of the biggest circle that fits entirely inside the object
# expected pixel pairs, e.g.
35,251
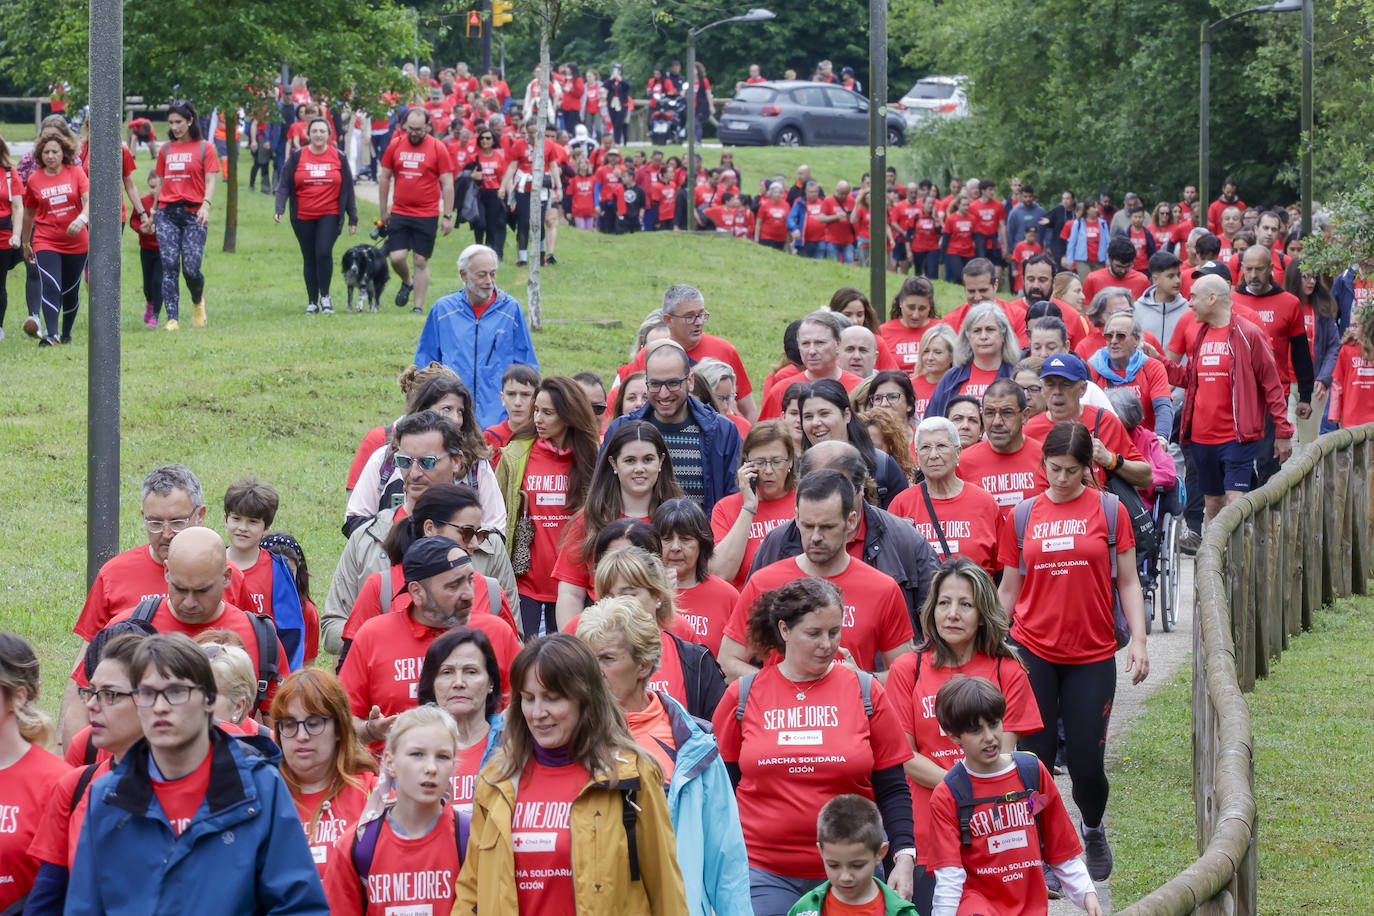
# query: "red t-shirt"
416,168
1019,255
1352,387
813,230
1007,478
960,231
409,875
911,687
987,215
56,202
1064,611
904,342
977,382
541,835
772,220
181,798
461,152
705,607
1187,326
383,666
582,190
25,787
772,399
1101,423
970,521
14,191
925,233
318,179
1100,279
1164,237
737,221
1091,233
257,584
57,836
183,170
129,577
875,616
709,345
546,492
771,514
493,166
1150,382
834,906
862,224
841,231
464,779
333,818
1280,316
1002,866
147,242
369,601
795,754
664,196
373,439
1214,419
923,390
569,567
1142,248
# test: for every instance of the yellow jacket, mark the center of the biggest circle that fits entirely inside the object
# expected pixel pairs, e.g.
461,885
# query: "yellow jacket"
602,885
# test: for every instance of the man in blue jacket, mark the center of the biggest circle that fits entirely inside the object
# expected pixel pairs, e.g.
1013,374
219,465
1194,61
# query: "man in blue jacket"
192,819
703,444
478,332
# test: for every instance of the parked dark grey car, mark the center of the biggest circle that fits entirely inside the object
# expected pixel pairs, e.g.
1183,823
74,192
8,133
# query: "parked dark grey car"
798,113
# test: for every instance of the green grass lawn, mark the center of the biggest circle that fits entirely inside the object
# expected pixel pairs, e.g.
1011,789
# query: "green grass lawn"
268,391
1311,725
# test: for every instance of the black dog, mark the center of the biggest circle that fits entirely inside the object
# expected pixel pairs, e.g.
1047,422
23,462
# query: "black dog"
365,268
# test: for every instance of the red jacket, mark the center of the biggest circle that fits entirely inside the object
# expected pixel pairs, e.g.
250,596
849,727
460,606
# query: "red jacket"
1255,386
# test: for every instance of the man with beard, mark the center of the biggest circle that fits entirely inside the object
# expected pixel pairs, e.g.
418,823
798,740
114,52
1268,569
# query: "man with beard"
1120,271
1229,198
1037,280
423,173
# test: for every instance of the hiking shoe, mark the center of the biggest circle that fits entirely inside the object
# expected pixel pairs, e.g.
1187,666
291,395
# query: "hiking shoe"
149,316
1052,885
326,306
198,319
1190,542
417,311
311,309
1097,852
65,339
522,262
551,259
31,326
173,325
47,341
403,294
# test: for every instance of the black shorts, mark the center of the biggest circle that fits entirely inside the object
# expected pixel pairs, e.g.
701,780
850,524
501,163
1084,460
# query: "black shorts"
412,233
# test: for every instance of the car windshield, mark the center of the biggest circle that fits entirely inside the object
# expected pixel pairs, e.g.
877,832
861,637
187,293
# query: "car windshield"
929,89
754,94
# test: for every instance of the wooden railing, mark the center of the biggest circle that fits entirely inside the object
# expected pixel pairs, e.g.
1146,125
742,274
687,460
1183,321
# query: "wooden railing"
1267,563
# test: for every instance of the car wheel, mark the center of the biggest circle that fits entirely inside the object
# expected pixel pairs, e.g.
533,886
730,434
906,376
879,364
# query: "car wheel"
789,136
895,136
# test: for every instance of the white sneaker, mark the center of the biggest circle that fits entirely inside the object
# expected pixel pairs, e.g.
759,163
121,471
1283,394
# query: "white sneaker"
311,309
326,306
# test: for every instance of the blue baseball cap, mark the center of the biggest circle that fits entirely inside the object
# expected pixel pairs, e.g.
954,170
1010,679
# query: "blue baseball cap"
1065,365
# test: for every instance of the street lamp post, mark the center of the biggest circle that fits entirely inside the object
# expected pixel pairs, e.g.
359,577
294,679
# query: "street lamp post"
1204,193
754,15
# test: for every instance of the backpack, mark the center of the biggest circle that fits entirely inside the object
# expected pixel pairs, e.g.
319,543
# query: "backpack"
83,782
1142,521
1108,501
960,785
865,691
365,844
264,630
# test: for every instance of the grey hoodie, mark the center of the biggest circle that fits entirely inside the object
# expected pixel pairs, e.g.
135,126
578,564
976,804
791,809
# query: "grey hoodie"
1157,317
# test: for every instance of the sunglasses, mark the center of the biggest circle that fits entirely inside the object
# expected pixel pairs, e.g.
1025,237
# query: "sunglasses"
467,534
426,462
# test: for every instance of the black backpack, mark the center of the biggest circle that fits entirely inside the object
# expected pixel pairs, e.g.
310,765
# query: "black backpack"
263,629
1142,521
960,785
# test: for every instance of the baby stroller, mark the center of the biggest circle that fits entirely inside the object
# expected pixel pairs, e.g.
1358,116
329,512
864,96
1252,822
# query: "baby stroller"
1160,578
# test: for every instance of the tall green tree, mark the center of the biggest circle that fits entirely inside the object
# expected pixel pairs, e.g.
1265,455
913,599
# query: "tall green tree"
223,55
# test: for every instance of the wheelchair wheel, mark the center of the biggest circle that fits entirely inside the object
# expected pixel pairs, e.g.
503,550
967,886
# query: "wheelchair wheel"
1170,582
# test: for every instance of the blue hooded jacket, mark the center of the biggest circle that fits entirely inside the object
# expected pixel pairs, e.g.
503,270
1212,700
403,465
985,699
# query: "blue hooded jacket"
701,804
243,852
479,351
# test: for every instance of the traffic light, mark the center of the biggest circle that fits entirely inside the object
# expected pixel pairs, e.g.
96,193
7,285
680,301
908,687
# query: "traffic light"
500,12
474,24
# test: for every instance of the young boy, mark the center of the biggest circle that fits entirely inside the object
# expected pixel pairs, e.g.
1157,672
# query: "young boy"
849,834
1011,828
150,256
249,508
1023,250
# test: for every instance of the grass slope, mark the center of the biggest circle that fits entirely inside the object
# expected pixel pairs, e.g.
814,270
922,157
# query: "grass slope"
266,390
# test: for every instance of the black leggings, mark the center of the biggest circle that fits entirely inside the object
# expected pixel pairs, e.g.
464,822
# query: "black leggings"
522,223
60,276
1082,696
533,612
9,257
493,232
151,261
316,238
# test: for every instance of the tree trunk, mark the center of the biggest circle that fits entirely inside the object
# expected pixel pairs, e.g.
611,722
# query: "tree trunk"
231,184
536,214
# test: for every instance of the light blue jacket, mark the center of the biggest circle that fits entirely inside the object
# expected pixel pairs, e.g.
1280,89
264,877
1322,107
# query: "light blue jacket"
1077,249
701,803
479,351
243,851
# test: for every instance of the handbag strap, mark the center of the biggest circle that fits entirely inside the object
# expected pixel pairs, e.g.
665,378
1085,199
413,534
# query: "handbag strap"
935,520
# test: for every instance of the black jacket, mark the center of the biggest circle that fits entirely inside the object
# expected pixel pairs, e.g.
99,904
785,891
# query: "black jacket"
891,546
286,187
701,678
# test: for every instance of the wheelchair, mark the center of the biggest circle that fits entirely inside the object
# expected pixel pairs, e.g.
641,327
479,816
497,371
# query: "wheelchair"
1161,574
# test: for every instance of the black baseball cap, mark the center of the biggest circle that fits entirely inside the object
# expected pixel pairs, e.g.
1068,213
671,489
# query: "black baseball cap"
430,556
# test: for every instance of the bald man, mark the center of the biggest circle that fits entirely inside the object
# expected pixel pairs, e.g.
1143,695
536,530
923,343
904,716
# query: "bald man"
858,350
197,575
1232,389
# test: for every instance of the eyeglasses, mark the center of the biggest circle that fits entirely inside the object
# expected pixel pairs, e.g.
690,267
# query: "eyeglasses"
666,384
1032,389
1007,414
106,697
599,409
314,725
1118,335
693,318
768,464
159,525
426,462
467,533
890,397
175,695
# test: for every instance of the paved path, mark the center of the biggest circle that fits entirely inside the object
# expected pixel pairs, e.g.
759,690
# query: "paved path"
1168,652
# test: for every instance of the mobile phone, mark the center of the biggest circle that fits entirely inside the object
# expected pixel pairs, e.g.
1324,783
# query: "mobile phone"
754,484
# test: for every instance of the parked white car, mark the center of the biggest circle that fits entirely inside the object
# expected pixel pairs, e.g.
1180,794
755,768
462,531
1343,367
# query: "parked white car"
935,97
